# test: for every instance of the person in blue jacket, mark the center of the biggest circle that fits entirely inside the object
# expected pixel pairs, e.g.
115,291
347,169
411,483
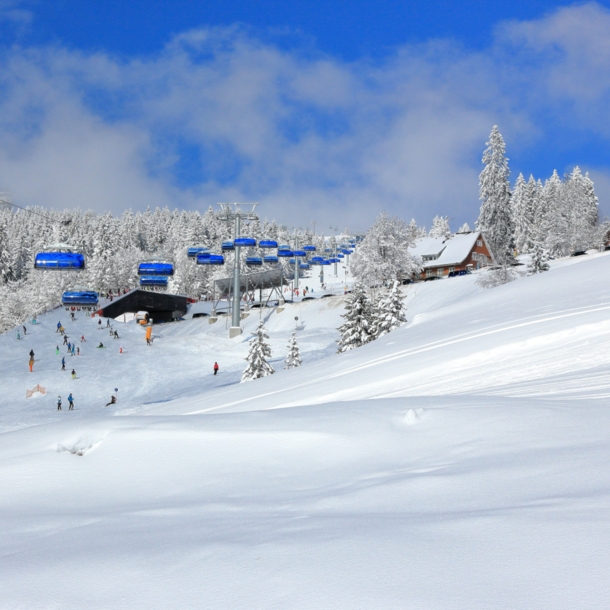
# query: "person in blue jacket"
63,363
71,402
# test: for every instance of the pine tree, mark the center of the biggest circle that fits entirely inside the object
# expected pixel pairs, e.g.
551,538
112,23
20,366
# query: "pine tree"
465,228
495,218
440,227
555,217
357,328
520,202
259,351
293,358
389,311
538,263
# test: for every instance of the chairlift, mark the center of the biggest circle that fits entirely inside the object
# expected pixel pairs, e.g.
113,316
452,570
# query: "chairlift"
304,266
244,242
325,262
292,261
212,259
193,251
309,248
227,246
340,255
285,253
317,259
59,257
254,261
87,299
150,268
271,259
201,256
346,251
153,280
267,243
300,253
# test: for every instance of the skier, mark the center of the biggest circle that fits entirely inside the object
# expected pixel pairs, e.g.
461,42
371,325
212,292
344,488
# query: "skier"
73,374
78,351
18,335
59,403
58,327
100,345
99,323
112,401
72,316
32,354
65,339
63,363
72,350
57,351
69,346
107,322
31,365
71,401
215,368
25,330
82,339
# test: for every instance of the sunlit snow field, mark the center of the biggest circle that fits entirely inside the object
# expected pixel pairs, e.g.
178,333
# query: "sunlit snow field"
460,462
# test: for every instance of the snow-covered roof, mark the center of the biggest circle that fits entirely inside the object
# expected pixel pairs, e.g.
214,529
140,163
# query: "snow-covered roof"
446,251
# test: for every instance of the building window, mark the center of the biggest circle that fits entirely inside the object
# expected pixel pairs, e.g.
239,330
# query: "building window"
440,271
480,243
429,272
451,269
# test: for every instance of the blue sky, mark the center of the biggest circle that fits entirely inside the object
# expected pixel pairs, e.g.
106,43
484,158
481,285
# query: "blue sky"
333,111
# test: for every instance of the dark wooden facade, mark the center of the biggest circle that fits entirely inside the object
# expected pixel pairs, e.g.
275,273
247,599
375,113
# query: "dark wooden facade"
161,306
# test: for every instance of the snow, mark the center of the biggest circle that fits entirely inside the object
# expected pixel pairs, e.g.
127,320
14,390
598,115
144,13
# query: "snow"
458,462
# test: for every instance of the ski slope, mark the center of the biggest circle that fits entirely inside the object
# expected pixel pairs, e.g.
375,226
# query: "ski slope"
459,462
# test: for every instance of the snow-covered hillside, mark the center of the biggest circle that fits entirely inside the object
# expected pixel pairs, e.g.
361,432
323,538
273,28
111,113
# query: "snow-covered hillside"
458,462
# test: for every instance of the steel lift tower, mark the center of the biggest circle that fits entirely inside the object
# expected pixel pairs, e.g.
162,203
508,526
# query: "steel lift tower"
237,212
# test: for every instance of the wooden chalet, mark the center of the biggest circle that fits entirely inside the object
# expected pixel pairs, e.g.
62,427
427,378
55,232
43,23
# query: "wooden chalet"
440,255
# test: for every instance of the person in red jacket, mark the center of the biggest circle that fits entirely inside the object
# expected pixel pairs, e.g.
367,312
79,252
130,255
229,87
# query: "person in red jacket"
215,368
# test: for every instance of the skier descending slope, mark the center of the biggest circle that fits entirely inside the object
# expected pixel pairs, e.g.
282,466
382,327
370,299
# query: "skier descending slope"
257,356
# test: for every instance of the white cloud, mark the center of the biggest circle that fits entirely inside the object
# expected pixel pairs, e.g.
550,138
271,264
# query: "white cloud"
309,137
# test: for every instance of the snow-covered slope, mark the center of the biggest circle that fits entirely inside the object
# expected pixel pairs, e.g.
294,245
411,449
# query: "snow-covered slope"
459,462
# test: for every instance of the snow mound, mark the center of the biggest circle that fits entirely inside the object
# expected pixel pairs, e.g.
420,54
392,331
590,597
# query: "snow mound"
413,416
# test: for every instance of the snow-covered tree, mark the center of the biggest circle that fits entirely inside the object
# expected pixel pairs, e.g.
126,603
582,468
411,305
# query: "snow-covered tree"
259,352
440,227
521,211
389,311
383,255
293,358
539,260
465,228
495,218
496,276
358,327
